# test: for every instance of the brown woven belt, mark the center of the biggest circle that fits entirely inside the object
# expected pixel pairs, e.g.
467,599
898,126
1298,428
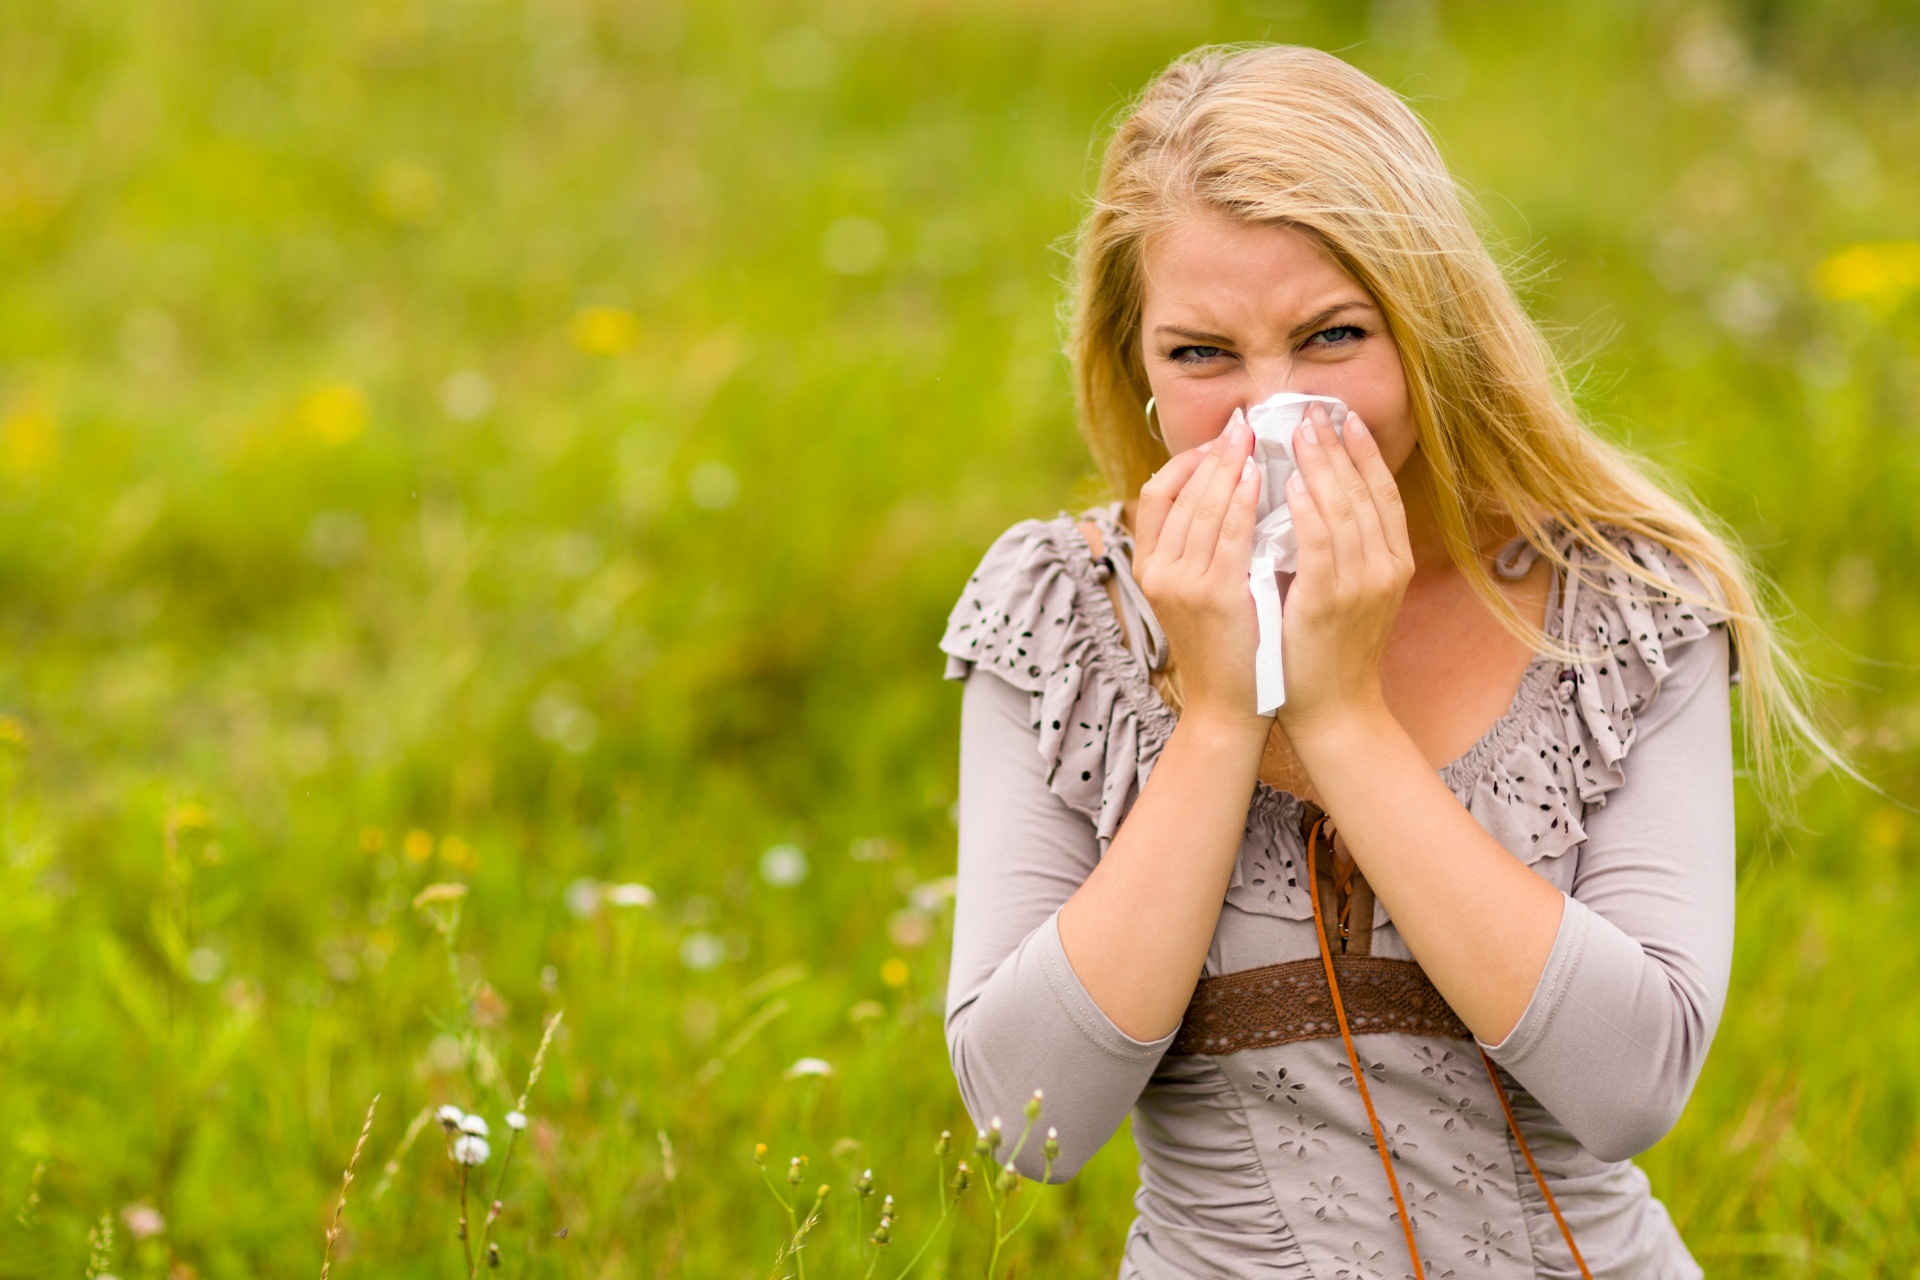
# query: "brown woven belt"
1283,1003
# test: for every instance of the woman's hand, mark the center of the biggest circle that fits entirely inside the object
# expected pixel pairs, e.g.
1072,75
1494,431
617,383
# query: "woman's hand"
1194,542
1355,563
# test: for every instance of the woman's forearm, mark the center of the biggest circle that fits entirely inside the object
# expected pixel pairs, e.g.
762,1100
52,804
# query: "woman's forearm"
1479,922
1137,931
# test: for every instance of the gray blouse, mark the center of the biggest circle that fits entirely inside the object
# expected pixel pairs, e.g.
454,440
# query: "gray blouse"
1261,1162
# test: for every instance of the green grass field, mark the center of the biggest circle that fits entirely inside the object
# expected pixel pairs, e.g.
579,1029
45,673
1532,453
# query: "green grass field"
533,446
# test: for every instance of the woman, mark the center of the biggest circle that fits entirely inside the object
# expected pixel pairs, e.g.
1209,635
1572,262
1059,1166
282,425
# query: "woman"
1495,811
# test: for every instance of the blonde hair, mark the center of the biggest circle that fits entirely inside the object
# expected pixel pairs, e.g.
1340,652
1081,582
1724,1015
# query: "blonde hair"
1294,136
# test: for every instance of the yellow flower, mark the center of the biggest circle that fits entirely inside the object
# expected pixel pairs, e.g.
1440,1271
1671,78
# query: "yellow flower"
895,972
335,413
419,845
1880,272
604,331
28,439
13,731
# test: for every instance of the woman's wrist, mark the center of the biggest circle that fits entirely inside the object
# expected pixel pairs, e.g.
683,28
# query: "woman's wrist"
1356,730
1226,734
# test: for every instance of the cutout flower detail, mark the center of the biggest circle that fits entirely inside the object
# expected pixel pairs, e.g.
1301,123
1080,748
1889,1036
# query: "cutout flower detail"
1462,1112
1485,1243
1397,1141
1360,1263
1277,1088
1376,1071
1419,1207
1302,1142
1329,1203
1441,1066
1477,1177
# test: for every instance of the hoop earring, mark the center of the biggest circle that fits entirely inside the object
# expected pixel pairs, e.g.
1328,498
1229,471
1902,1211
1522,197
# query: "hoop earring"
1153,428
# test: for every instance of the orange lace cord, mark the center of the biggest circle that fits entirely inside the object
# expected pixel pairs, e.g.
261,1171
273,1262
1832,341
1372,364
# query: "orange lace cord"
1566,1232
1353,1056
1366,1099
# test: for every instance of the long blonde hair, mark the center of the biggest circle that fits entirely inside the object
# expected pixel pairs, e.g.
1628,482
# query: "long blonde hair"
1294,136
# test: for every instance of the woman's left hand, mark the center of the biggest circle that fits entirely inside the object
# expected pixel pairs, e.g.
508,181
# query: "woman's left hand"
1355,563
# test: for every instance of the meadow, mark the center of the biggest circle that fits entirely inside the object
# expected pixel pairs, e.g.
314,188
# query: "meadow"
481,484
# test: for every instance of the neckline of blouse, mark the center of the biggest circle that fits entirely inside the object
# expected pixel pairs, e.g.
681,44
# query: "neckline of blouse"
1512,561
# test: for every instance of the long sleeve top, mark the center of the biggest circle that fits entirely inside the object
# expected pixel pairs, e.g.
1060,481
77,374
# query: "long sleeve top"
1260,1162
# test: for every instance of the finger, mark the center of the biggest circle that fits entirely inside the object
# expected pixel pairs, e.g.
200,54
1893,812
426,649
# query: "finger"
1331,499
1315,555
1373,540
1157,497
1386,490
1233,552
1173,533
1210,511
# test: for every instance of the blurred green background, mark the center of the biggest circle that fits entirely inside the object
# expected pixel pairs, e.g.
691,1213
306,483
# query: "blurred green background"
534,446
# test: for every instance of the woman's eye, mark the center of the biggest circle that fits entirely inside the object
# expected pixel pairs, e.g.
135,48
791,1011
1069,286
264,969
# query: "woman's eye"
1196,355
1338,336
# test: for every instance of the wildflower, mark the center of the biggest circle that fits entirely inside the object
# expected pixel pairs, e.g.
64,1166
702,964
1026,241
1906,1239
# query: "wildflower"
450,1117
783,866
628,895
517,1121
493,1254
445,892
945,1144
962,1176
1051,1148
894,972
1008,1177
760,1153
1033,1106
863,1185
583,897
821,1192
995,1135
797,1170
473,1125
886,1209
883,1234
809,1067
471,1149
143,1221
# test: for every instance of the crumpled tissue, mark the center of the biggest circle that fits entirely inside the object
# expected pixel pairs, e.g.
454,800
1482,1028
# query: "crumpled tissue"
1275,549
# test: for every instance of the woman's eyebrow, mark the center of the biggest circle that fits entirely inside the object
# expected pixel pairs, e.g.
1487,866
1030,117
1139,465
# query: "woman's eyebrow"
1314,322
1196,335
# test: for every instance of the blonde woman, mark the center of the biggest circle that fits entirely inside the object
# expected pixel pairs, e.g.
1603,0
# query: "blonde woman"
1397,981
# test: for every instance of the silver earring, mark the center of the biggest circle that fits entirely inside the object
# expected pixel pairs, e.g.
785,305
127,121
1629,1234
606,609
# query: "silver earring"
1153,428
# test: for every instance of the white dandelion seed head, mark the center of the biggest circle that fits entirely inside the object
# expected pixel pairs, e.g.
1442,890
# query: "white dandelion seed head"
450,1116
809,1068
517,1121
627,895
471,1150
473,1125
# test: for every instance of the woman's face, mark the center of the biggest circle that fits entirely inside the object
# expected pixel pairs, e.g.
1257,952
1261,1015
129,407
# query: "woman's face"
1236,311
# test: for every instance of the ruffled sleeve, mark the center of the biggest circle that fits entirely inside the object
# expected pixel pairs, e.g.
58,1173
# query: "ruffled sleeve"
1034,616
1563,746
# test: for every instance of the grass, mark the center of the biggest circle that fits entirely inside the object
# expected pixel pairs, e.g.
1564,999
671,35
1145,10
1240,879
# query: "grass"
533,447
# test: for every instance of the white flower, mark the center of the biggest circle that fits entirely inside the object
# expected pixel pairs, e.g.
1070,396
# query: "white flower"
143,1221
473,1125
783,866
450,1117
806,1067
628,895
471,1150
517,1121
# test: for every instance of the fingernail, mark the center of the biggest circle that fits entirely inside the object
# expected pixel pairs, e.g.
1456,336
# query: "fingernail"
1246,469
1296,483
1354,426
1207,447
1306,429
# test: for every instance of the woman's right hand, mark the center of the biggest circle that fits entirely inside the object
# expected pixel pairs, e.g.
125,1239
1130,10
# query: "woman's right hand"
1193,544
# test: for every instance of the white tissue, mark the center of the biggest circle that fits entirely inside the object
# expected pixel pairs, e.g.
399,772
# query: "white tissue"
1275,549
